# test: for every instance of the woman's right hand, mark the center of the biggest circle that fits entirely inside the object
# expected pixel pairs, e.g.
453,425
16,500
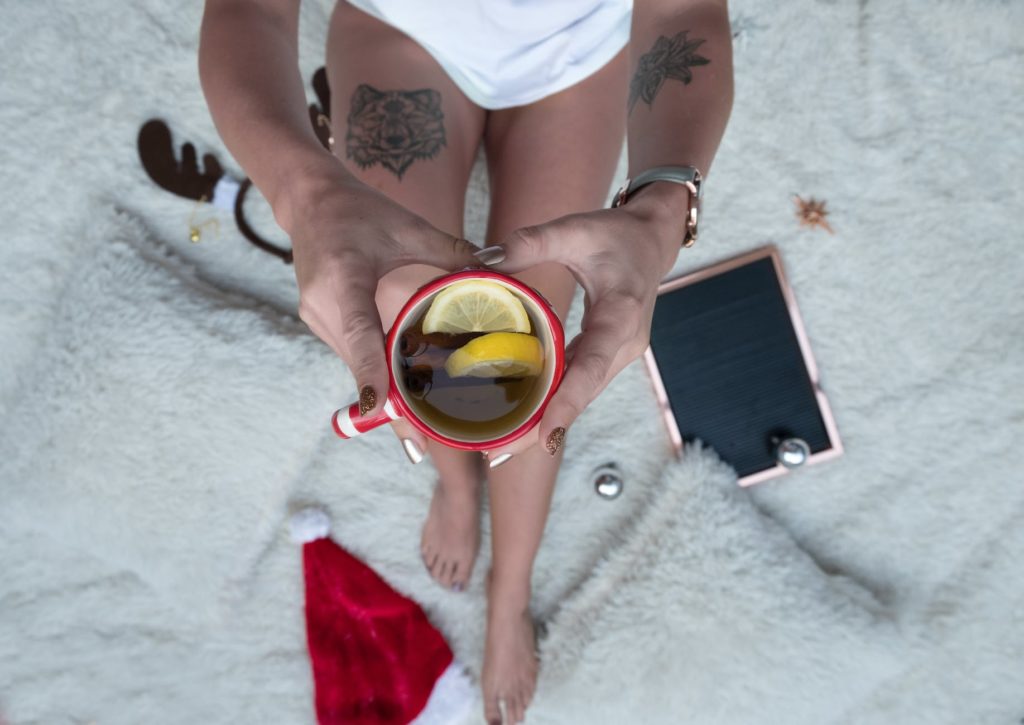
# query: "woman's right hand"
345,237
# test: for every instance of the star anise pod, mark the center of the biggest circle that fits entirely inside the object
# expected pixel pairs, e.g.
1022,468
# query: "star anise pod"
812,213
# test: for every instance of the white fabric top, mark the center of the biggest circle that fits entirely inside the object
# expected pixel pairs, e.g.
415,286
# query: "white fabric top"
504,53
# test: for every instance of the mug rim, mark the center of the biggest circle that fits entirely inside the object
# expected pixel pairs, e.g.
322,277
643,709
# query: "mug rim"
557,338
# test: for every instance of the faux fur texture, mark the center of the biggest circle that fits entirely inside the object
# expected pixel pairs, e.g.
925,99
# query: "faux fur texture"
684,599
189,424
152,398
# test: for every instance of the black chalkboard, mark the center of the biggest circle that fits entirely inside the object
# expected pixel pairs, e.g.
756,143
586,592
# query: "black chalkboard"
732,366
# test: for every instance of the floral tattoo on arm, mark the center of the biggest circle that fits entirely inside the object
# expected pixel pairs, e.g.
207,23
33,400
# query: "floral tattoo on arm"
670,58
394,128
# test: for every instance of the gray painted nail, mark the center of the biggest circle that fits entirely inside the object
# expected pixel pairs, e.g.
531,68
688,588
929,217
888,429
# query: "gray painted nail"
490,255
412,450
498,460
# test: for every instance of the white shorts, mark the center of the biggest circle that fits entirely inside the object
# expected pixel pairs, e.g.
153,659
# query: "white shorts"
504,53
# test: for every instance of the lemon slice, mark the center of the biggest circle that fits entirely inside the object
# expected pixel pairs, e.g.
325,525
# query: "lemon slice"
476,305
497,355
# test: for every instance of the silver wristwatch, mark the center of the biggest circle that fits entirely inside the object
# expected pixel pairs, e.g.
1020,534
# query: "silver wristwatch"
688,176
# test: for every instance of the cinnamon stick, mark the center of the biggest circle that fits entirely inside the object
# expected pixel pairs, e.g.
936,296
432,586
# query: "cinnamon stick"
415,342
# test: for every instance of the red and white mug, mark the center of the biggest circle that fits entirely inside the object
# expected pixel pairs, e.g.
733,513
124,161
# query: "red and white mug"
348,423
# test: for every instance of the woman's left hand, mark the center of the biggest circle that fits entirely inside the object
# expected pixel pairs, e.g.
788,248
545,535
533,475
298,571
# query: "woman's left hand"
619,256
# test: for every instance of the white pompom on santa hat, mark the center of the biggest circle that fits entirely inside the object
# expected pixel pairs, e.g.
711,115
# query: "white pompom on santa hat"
376,658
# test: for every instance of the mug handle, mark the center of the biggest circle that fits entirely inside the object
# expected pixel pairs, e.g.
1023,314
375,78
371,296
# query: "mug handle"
347,422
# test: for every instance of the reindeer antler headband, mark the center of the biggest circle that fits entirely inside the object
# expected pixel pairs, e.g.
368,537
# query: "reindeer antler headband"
212,184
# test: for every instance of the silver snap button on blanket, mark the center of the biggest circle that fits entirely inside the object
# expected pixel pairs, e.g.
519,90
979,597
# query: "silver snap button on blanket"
608,481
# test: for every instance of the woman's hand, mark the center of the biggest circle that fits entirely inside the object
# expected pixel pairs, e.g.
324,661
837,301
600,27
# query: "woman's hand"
345,237
619,256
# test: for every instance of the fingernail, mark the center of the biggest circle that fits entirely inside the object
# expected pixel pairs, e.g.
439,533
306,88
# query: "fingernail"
555,440
367,399
412,450
498,460
490,255
457,587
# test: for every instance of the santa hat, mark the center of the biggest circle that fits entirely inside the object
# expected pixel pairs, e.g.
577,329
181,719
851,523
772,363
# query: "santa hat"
376,658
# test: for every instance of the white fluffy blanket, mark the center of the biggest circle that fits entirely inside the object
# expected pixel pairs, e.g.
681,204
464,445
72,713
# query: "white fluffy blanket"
160,421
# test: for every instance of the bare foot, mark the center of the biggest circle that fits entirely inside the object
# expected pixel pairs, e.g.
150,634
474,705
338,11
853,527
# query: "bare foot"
510,660
451,533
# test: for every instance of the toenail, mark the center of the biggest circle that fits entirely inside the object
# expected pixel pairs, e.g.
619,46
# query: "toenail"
457,587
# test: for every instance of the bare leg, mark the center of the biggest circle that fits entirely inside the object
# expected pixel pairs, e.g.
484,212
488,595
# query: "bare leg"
380,71
548,159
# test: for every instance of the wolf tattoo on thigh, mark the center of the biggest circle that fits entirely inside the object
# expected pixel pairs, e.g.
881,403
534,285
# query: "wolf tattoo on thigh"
394,128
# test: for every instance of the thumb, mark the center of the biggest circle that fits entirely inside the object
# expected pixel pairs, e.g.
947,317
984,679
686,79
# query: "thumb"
427,245
594,353
359,340
529,246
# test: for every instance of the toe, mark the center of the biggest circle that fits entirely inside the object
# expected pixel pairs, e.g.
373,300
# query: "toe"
453,574
491,712
466,566
516,709
435,568
527,698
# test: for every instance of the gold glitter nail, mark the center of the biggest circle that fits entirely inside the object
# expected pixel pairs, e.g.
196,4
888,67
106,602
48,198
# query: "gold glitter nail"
367,399
555,440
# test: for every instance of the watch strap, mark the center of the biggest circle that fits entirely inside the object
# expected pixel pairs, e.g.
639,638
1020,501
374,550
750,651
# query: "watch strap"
688,176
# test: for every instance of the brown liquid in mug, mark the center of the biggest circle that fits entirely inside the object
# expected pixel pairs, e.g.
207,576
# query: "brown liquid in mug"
466,407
